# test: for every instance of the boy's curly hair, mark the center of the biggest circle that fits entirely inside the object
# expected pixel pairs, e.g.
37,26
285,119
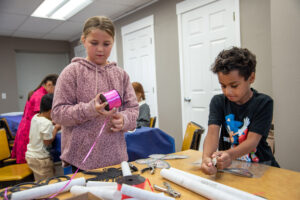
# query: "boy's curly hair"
240,59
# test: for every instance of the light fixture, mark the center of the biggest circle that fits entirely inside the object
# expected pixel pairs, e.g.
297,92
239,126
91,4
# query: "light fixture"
60,9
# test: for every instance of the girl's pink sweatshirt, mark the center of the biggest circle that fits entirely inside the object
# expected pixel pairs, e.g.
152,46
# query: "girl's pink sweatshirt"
74,108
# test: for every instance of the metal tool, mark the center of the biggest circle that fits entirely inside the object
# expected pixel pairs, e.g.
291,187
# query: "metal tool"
150,167
237,171
168,189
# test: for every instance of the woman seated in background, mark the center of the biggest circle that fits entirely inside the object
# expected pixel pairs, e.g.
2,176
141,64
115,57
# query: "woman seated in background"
144,109
32,107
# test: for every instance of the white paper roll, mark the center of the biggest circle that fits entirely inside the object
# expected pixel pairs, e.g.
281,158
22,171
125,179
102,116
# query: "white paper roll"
221,187
142,194
46,190
125,169
195,186
105,193
101,184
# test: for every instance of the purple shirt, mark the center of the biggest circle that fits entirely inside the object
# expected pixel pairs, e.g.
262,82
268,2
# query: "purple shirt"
74,108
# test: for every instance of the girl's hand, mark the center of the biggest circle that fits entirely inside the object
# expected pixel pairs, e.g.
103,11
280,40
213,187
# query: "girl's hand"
224,159
117,122
57,127
207,166
100,107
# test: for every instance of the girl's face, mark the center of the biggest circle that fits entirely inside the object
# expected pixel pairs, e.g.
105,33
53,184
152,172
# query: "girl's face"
98,45
49,87
235,87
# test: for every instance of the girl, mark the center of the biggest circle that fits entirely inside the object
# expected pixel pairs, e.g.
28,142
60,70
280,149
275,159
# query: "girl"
144,109
32,107
77,106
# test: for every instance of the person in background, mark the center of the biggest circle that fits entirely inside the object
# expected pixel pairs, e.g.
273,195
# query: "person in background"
243,115
144,109
79,110
32,107
42,134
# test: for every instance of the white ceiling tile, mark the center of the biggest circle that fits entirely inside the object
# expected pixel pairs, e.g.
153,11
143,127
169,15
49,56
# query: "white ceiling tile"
39,25
6,32
56,36
11,22
25,7
15,18
96,9
28,34
69,28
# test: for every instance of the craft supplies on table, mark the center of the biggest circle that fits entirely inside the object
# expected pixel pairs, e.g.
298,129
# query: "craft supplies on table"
46,190
207,188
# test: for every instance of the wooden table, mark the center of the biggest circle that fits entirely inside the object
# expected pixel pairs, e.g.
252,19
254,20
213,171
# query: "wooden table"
275,183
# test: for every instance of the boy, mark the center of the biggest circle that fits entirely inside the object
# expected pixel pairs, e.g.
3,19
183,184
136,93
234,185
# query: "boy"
42,133
243,115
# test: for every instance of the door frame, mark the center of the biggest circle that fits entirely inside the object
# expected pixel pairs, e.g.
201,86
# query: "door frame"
135,26
182,8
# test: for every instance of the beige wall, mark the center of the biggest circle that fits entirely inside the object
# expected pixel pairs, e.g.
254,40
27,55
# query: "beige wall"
255,35
167,63
285,29
8,76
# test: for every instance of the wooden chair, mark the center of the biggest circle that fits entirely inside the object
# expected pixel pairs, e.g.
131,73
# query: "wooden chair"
152,122
192,136
14,173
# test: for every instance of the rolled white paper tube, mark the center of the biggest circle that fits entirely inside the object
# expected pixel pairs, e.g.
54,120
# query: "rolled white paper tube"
142,194
101,184
105,193
195,186
125,169
46,190
221,187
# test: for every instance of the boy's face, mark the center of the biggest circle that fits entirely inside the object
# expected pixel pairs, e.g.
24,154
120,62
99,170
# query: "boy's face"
235,87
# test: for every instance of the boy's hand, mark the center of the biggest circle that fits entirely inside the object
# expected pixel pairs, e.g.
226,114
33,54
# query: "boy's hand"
224,159
207,166
100,107
117,121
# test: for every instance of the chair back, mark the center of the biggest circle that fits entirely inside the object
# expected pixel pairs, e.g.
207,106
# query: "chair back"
4,150
152,122
4,124
192,136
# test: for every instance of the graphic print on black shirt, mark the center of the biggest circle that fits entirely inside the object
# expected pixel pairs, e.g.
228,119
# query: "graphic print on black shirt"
238,132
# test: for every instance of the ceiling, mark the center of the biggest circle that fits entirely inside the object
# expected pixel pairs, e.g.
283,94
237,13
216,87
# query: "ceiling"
15,19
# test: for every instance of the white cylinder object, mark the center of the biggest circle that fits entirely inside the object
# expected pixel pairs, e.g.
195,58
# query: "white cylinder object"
142,194
195,186
101,184
125,169
221,187
46,190
105,193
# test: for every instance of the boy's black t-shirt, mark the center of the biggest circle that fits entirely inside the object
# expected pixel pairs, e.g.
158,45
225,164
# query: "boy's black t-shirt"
237,120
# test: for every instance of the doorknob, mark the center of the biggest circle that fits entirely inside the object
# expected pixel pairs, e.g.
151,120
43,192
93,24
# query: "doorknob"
187,99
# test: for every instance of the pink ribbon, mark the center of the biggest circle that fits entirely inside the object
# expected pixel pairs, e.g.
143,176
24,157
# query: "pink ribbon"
87,155
5,194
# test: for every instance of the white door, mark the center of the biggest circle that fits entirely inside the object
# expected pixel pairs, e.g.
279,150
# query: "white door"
139,59
33,67
205,29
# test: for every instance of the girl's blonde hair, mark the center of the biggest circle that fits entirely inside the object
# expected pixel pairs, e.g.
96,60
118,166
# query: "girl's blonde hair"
99,22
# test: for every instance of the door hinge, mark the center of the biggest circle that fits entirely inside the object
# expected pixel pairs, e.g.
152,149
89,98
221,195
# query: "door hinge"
233,16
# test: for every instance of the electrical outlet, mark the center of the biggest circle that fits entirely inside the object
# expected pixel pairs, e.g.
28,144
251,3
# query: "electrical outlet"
3,95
